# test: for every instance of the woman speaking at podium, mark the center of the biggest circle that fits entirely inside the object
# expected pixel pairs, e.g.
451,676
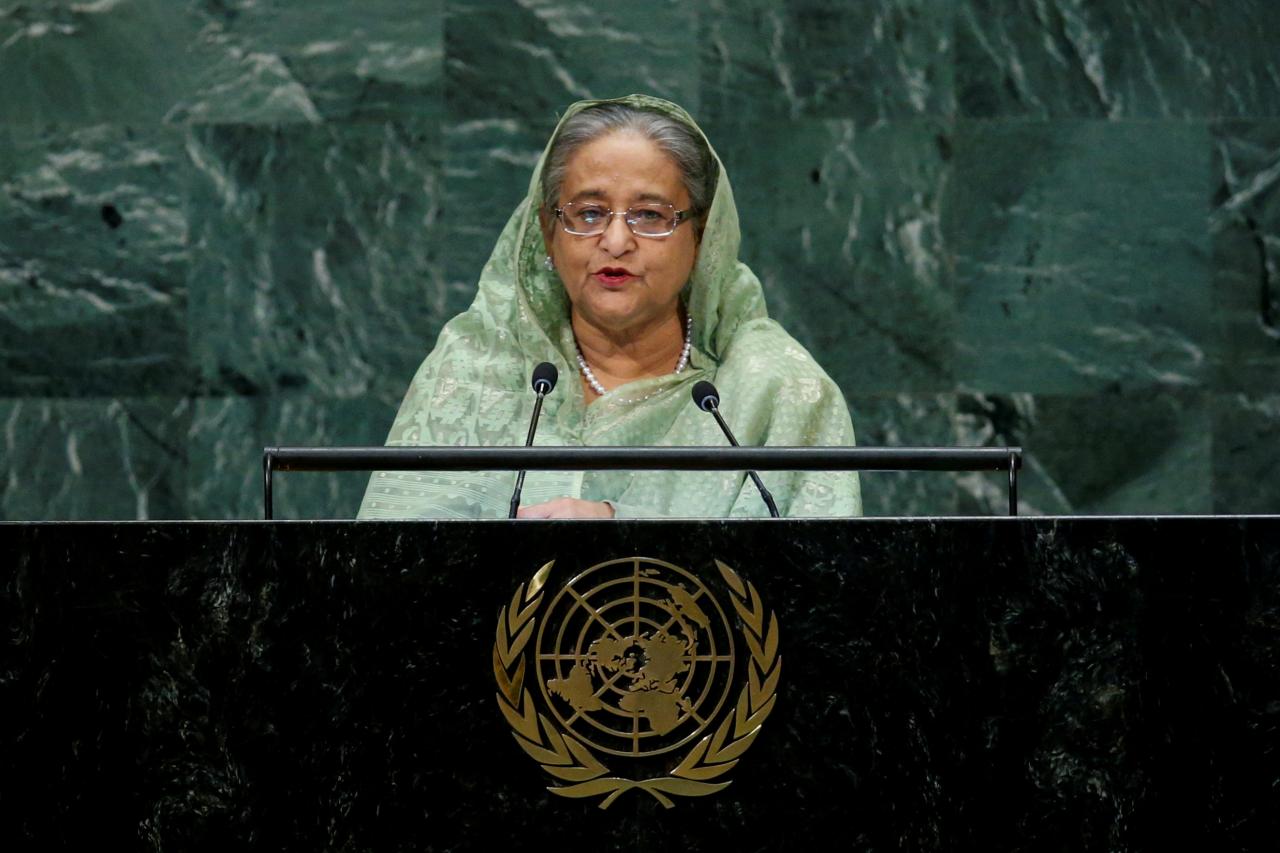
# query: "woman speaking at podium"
620,267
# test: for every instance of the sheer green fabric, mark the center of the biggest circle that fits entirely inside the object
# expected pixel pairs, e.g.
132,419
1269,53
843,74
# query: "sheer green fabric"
473,390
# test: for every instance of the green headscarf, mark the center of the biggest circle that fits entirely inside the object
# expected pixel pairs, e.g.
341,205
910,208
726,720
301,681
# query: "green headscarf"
473,389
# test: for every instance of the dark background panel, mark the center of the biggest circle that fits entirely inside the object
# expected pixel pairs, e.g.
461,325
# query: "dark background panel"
1008,684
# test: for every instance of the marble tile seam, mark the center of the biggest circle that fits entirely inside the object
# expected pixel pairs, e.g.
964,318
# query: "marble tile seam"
1094,120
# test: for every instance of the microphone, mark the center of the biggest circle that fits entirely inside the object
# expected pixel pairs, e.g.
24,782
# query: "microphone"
707,398
544,379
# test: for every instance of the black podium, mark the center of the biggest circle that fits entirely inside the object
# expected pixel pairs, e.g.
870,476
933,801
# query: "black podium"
995,684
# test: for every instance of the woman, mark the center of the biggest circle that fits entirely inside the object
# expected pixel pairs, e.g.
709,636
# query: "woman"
620,267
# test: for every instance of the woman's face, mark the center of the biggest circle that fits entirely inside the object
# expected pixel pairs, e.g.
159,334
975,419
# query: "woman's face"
617,281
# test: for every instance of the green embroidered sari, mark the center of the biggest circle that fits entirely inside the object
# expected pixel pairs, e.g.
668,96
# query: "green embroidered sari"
473,390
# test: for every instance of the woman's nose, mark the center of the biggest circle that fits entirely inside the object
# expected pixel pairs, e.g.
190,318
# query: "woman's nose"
617,238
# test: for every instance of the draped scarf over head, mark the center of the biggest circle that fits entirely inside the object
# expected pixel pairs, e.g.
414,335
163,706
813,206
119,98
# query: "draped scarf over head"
473,389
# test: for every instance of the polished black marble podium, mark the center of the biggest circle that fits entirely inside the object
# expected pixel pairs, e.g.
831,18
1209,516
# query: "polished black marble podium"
995,684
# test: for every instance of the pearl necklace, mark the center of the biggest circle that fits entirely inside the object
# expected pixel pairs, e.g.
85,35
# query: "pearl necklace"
680,365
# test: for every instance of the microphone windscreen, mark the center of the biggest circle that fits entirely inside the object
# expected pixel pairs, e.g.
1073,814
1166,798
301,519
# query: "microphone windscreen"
544,377
705,395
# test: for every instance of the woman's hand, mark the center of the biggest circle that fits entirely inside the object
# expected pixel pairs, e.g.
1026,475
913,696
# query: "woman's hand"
566,508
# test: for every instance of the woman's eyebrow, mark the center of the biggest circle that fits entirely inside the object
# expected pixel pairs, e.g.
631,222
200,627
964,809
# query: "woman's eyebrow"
653,197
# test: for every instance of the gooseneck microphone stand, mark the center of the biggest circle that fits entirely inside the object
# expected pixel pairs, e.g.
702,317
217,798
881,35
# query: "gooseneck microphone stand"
707,398
544,379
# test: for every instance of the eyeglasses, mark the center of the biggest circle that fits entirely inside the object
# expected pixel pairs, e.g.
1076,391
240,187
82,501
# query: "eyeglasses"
585,219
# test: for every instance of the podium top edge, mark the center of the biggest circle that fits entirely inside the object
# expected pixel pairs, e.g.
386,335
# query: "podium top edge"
880,519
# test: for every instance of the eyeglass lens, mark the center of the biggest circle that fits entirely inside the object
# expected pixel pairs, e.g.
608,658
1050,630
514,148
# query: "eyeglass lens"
648,220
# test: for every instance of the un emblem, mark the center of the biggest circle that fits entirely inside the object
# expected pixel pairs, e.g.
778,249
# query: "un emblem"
635,662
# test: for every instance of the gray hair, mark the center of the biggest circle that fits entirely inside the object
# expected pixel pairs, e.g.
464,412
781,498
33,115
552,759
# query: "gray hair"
682,143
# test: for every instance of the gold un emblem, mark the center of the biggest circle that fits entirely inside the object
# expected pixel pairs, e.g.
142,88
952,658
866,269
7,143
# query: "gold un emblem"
635,664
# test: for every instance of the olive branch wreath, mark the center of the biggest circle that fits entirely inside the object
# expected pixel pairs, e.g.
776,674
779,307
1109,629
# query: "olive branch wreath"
565,757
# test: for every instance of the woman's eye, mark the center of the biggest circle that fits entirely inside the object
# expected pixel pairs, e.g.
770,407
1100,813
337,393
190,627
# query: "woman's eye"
590,214
646,215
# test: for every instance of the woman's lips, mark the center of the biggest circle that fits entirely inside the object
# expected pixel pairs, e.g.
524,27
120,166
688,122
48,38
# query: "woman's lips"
611,277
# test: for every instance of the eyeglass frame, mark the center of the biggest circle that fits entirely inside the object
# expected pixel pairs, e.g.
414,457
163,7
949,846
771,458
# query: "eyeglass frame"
680,216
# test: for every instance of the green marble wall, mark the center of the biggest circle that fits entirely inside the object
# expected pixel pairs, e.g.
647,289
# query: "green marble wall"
1056,223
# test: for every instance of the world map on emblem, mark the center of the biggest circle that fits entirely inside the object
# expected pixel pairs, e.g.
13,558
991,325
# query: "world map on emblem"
635,656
